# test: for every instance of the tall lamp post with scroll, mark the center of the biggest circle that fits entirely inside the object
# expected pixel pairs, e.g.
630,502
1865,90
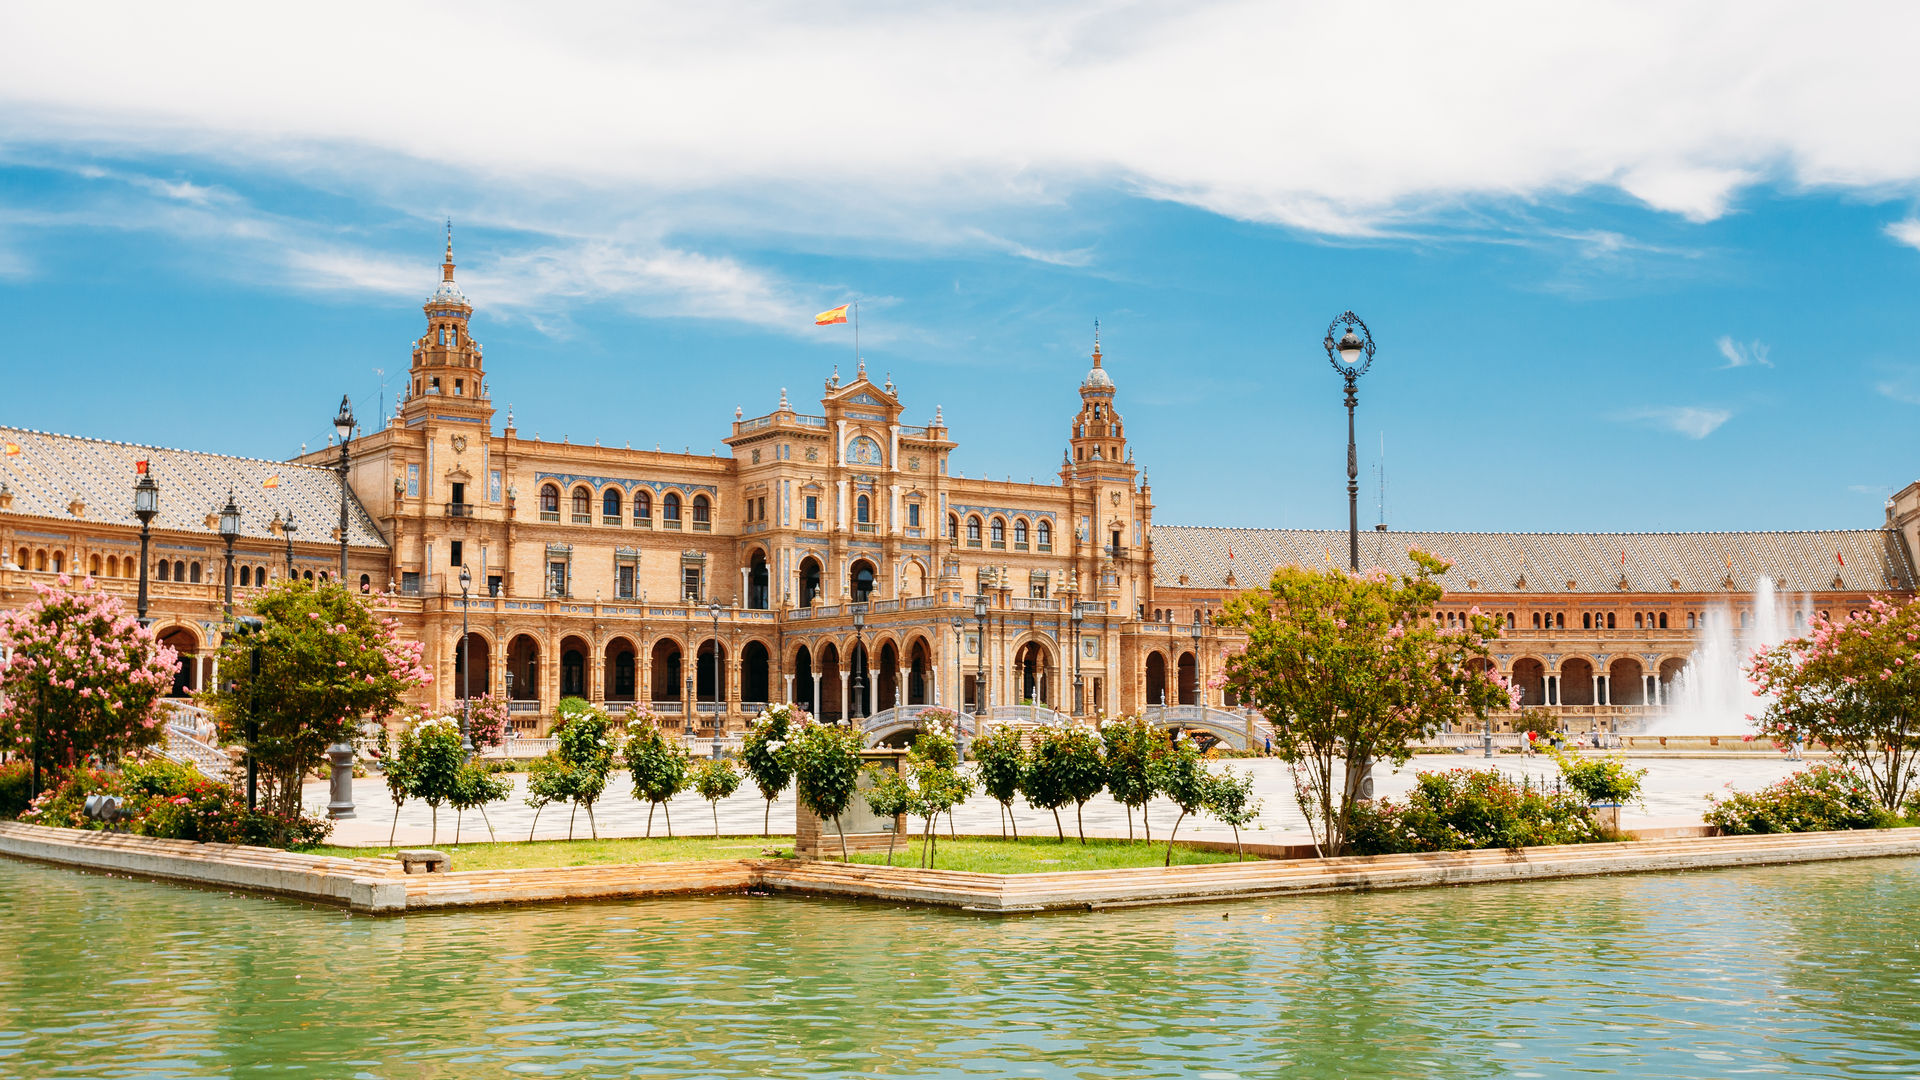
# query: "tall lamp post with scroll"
1351,355
343,426
146,503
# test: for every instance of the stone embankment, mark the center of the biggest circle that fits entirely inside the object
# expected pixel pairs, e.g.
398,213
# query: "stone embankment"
378,886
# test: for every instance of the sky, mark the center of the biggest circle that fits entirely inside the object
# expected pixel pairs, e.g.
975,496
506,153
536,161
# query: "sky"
1627,266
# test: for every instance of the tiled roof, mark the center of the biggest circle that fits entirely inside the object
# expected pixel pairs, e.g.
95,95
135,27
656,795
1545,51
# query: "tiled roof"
53,472
1546,562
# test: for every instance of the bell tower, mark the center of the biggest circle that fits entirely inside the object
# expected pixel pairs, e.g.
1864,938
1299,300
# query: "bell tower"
1098,438
447,375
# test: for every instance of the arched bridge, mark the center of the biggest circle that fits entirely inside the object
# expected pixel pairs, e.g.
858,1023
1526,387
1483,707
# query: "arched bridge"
1241,731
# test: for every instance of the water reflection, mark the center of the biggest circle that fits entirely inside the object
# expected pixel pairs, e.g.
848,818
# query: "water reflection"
1804,971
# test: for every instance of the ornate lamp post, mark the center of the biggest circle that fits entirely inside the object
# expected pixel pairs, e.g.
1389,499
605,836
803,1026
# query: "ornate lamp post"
286,530
466,670
713,608
229,532
1351,356
146,503
859,660
980,671
343,426
1198,632
1075,620
959,694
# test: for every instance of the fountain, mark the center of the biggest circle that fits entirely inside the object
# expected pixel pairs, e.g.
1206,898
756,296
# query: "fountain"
1711,695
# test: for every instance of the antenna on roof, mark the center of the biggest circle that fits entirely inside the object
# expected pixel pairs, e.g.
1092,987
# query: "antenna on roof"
1380,473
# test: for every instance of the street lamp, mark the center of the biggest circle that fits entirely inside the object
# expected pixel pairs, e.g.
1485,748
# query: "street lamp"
959,694
1076,619
343,426
286,530
146,503
859,660
713,607
1351,356
229,532
980,670
1198,632
466,671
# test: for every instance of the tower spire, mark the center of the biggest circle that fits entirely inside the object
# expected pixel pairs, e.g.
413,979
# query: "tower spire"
1096,343
446,268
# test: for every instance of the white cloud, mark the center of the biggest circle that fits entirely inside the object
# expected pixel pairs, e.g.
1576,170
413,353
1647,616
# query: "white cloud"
1906,232
1743,354
1693,421
1337,118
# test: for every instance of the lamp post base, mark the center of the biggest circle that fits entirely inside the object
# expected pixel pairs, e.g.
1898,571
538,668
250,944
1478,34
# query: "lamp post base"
340,786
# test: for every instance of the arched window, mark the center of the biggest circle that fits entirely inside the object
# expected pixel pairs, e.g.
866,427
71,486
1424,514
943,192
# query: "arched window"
162,570
193,573
1663,620
549,502
1610,620
670,507
582,505
953,526
999,532
246,576
113,566
366,583
309,576
1560,620
702,512
1020,532
25,561
1586,620
1044,535
610,507
862,510
642,508
973,530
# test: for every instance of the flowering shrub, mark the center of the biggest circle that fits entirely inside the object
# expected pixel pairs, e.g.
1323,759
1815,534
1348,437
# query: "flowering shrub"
82,671
16,787
657,767
1600,780
826,769
1464,809
764,753
1131,746
1001,762
172,801
1819,799
1068,767
430,759
715,780
486,720
936,784
583,752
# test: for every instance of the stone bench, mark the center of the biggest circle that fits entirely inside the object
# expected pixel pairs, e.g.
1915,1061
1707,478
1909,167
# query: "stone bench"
424,861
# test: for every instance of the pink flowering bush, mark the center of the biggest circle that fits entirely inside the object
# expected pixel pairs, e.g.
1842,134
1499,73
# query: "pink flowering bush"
486,720
1851,684
84,663
175,802
1819,799
329,658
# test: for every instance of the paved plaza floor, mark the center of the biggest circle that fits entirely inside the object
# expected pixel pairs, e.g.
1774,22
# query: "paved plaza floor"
1675,792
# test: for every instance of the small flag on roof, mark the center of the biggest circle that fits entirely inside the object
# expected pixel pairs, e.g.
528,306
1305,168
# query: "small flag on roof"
13,449
271,481
1842,558
828,318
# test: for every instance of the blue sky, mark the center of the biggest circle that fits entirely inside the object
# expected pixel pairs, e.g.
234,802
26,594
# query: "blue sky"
1652,271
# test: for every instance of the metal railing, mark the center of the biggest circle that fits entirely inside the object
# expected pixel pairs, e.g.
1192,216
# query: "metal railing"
459,509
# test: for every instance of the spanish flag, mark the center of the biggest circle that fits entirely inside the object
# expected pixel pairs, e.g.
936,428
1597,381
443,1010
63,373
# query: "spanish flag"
828,318
13,449
271,481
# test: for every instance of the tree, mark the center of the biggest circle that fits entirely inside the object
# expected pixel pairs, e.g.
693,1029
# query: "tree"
826,770
1001,762
474,788
1067,768
433,765
1179,774
82,677
328,659
396,768
1853,684
888,796
548,780
585,750
487,720
658,769
1347,672
1132,745
764,752
936,784
1229,798
715,780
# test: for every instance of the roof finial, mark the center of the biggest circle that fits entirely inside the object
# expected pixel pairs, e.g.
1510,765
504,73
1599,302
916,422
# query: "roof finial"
446,268
939,419
784,407
863,369
1096,343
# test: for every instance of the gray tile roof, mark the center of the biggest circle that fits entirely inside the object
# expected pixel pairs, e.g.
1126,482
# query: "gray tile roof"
51,472
1546,562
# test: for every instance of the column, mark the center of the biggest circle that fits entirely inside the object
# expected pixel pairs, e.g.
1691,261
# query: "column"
846,684
789,678
893,509
840,449
899,687
840,507
816,695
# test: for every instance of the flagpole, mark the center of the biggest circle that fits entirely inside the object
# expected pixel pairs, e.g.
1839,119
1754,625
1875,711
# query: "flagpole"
856,335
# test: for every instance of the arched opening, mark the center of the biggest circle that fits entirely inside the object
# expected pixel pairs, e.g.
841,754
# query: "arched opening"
860,578
187,644
665,674
702,512
803,679
886,684
1530,676
1156,679
1626,682
913,580
863,510
757,581
573,667
193,572
610,507
830,683
809,581
859,681
919,672
1189,679
1020,533
523,668
621,672
582,505
1044,535
1576,681
1670,669
471,669
550,502
642,509
1033,667
756,674
710,675
670,509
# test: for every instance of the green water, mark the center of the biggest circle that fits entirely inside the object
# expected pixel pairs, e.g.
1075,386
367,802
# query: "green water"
1797,971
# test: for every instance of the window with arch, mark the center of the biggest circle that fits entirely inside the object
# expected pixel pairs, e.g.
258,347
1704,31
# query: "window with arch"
1638,621
193,572
582,505
1560,620
309,576
999,533
163,571
643,509
246,576
610,507
366,583
1536,620
1043,535
702,513
953,526
549,502
259,577
93,565
25,560
1586,620
1020,534
863,510
1663,620
113,566
1610,625
973,531
670,510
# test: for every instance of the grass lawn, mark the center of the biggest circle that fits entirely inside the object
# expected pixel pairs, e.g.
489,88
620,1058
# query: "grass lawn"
1024,856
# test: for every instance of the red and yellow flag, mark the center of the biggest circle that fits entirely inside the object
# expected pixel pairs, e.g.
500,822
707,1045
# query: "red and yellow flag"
13,449
271,481
828,318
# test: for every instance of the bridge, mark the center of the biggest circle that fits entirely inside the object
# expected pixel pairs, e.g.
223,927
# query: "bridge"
1241,731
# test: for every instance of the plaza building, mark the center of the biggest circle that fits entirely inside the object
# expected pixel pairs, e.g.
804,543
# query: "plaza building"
838,558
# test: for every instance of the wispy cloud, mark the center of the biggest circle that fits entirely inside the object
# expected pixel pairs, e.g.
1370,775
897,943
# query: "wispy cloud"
1906,232
1743,354
1901,383
1693,421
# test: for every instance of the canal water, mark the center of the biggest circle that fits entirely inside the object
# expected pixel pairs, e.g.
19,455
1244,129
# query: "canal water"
1806,971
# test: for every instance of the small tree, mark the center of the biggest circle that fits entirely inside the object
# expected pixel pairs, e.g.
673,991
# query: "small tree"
1067,768
888,796
584,745
715,780
474,788
396,768
328,659
936,784
487,720
548,782
1230,798
82,677
1001,762
826,770
1132,745
433,770
764,752
1853,684
1179,774
1347,671
658,769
